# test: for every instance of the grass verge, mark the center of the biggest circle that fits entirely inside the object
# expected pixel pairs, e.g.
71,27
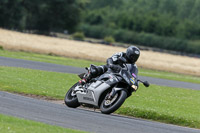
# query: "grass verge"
166,104
10,124
168,75
28,81
85,63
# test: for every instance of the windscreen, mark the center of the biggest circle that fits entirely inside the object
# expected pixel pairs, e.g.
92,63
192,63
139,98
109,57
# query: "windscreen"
133,69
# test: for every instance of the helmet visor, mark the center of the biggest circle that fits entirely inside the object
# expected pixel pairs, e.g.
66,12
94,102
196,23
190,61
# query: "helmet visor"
133,58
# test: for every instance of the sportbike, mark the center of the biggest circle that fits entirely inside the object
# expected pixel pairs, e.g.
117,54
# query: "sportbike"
107,91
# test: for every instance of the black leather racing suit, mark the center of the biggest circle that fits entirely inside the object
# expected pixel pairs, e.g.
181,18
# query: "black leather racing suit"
113,62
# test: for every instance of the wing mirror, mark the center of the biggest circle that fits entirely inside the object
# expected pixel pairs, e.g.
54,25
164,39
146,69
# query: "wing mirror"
146,84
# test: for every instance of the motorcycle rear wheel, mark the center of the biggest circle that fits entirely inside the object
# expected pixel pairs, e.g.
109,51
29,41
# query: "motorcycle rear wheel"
115,102
71,100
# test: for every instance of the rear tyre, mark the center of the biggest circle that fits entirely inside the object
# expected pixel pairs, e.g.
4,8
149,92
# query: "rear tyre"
71,99
109,106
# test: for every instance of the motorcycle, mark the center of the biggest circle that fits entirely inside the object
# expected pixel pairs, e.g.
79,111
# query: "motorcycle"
107,91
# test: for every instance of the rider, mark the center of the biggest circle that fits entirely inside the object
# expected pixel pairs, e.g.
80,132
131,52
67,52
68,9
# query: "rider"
130,57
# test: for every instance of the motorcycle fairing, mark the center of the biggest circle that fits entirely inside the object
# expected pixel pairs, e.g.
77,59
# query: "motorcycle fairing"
93,93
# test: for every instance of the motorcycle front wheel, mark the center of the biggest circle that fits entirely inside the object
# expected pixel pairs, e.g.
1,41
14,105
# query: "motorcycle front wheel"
71,99
111,105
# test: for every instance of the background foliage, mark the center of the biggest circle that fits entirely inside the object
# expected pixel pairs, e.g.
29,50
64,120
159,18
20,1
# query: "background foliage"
40,15
173,18
166,24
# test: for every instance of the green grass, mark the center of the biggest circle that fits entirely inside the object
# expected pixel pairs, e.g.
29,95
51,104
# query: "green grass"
36,82
166,104
85,63
10,124
168,75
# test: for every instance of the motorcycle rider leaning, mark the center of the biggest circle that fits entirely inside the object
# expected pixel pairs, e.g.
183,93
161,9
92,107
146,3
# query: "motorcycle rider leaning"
130,57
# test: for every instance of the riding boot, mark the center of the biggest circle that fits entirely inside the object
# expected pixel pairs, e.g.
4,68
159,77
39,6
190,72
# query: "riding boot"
94,72
85,79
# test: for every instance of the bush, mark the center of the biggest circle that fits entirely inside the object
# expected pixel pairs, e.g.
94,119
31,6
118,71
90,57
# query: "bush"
125,36
142,38
78,36
193,47
95,31
109,39
1,48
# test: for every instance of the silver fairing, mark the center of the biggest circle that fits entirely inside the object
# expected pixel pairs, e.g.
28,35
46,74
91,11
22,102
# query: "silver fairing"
93,93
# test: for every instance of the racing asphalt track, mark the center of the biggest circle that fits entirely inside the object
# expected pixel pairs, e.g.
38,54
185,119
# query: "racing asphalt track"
4,61
58,114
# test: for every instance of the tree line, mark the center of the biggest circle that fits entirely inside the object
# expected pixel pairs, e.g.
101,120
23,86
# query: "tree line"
173,18
167,24
40,15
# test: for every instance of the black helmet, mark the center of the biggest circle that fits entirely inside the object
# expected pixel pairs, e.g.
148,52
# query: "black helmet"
132,53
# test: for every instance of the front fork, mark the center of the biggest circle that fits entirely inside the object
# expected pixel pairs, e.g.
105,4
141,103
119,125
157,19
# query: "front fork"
113,92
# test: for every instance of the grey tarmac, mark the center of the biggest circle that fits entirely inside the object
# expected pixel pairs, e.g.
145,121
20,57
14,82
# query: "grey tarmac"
60,115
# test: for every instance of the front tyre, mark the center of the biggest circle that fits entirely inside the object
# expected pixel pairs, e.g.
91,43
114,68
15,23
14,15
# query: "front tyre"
71,99
111,105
